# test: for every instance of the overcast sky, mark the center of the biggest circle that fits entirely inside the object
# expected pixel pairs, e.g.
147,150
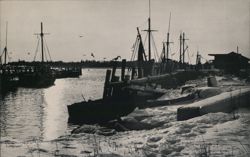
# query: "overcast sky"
109,26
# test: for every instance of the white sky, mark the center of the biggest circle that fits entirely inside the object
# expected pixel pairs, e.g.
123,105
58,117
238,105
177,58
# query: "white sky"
109,26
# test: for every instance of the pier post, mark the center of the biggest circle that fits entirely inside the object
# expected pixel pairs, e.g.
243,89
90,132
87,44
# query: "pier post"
113,71
106,84
123,69
133,73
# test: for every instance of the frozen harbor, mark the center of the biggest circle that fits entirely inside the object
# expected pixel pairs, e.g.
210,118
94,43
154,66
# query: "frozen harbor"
150,132
124,78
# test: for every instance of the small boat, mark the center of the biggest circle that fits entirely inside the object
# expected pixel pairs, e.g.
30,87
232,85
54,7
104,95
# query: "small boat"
159,103
67,72
100,110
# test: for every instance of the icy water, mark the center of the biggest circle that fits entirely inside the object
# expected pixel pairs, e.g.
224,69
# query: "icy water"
42,113
34,124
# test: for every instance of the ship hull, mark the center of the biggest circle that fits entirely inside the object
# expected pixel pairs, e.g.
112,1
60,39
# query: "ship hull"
36,81
40,78
99,111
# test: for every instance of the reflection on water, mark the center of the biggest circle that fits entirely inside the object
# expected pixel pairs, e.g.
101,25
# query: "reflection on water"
42,113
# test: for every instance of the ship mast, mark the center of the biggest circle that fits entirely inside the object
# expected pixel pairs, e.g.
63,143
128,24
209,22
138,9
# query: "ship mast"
168,34
149,33
149,30
198,58
6,43
42,40
41,34
183,47
180,60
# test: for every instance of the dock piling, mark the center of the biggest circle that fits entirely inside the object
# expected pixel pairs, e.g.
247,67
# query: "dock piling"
113,71
133,73
123,69
106,84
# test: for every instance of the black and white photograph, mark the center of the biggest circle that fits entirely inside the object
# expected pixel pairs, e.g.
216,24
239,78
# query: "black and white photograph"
124,78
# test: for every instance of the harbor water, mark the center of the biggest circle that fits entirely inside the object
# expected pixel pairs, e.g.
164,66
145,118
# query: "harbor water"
34,123
29,113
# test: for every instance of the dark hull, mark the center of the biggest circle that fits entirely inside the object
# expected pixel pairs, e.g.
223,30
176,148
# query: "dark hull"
158,103
7,84
41,77
36,81
68,74
99,111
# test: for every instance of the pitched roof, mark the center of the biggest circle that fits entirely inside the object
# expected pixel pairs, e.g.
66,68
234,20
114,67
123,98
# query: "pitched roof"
230,54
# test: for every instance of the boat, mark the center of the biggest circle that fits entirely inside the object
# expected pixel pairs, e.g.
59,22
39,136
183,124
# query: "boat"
71,72
41,75
100,110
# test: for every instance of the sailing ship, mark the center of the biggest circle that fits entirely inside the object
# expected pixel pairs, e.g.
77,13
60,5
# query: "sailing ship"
41,74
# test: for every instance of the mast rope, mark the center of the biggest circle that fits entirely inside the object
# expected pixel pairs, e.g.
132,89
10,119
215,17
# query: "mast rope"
2,53
45,54
145,40
203,58
134,49
9,57
156,52
170,50
46,45
37,47
143,24
189,60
